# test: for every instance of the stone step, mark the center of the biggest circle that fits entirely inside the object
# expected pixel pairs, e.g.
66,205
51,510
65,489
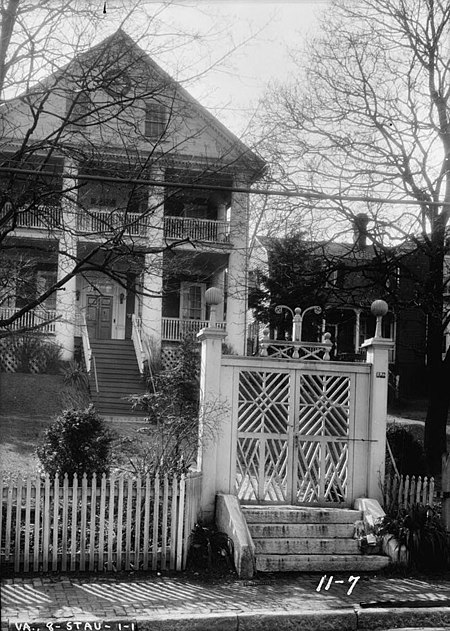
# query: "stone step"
306,546
320,563
295,531
300,514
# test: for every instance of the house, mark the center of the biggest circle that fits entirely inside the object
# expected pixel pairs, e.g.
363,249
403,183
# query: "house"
345,279
118,210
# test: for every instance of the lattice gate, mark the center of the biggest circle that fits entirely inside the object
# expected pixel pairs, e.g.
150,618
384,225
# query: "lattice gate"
294,436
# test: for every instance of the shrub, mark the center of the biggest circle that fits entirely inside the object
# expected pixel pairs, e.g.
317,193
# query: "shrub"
33,354
407,451
77,442
421,533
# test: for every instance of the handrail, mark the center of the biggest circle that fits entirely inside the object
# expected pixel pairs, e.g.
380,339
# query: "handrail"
137,342
87,352
95,372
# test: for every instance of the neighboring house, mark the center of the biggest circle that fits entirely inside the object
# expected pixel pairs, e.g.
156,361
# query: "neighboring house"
350,277
149,252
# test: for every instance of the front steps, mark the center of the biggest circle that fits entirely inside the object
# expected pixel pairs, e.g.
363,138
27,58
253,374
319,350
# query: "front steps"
118,377
303,539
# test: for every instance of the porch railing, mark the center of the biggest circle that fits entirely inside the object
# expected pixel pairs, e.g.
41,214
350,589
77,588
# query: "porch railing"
39,320
176,329
40,217
197,229
103,220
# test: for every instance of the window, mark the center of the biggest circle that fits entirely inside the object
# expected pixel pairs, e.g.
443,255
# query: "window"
193,301
155,120
79,106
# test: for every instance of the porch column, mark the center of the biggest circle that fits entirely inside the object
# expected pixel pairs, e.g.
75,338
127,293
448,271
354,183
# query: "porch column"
210,374
66,296
378,355
152,275
237,272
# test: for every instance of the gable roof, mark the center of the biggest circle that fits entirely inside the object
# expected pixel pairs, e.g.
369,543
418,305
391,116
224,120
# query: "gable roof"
121,39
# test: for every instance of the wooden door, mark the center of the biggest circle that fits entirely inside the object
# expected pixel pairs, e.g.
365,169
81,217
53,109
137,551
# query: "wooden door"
99,316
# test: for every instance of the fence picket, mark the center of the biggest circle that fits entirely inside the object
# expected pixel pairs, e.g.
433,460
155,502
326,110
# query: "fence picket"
112,484
46,524
26,549
37,520
101,524
137,524
83,523
180,511
173,524
146,521
403,491
119,524
129,509
71,524
92,517
18,525
155,522
165,511
65,518
55,523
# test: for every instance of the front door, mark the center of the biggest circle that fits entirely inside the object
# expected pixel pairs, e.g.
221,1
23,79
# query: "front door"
99,316
293,437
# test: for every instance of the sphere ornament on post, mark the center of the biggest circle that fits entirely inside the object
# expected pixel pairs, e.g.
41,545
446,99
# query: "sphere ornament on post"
213,297
379,308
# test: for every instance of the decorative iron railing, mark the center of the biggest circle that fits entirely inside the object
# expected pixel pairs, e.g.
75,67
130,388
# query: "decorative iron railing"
39,320
176,329
105,221
197,229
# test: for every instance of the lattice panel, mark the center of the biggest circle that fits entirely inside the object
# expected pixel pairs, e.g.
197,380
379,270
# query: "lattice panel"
170,357
263,419
322,471
324,405
10,363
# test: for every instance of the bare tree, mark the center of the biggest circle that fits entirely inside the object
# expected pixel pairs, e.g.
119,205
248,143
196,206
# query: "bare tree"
62,130
368,117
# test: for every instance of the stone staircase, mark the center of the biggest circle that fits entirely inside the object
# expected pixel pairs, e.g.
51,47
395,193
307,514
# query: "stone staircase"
118,376
299,539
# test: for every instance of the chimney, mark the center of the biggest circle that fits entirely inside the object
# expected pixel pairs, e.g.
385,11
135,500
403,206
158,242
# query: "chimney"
360,230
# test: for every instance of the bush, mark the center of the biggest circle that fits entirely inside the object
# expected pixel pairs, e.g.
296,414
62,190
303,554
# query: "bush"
77,442
421,533
407,451
33,354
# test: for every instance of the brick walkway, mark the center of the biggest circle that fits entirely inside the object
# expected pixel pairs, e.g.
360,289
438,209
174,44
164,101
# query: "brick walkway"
155,599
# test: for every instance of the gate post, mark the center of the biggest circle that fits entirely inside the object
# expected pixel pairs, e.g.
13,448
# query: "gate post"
210,373
377,355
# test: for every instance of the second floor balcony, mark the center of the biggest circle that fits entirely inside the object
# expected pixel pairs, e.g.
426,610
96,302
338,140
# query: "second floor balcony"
105,221
41,217
205,230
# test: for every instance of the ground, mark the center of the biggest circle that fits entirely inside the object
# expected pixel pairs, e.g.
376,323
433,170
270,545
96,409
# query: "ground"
28,405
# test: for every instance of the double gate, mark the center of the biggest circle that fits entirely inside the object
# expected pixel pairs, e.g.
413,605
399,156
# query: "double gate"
295,436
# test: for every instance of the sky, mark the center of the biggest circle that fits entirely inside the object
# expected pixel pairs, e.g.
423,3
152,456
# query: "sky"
263,31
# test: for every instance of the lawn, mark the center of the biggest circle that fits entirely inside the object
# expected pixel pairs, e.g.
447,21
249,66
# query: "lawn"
28,405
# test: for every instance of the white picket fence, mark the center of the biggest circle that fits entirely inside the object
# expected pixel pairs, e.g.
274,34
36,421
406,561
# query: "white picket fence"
404,491
104,524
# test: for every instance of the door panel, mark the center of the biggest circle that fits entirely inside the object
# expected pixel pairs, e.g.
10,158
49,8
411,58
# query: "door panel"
99,316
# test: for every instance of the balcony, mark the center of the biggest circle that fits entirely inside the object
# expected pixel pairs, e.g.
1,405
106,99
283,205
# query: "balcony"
175,329
104,221
41,217
205,230
39,320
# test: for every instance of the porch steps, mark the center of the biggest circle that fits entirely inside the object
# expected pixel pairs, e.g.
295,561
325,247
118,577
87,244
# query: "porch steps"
303,539
118,376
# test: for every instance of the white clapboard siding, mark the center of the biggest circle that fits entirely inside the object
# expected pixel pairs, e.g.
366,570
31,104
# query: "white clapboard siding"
108,523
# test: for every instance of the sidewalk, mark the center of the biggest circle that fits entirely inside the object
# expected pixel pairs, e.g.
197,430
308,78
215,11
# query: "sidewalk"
181,602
